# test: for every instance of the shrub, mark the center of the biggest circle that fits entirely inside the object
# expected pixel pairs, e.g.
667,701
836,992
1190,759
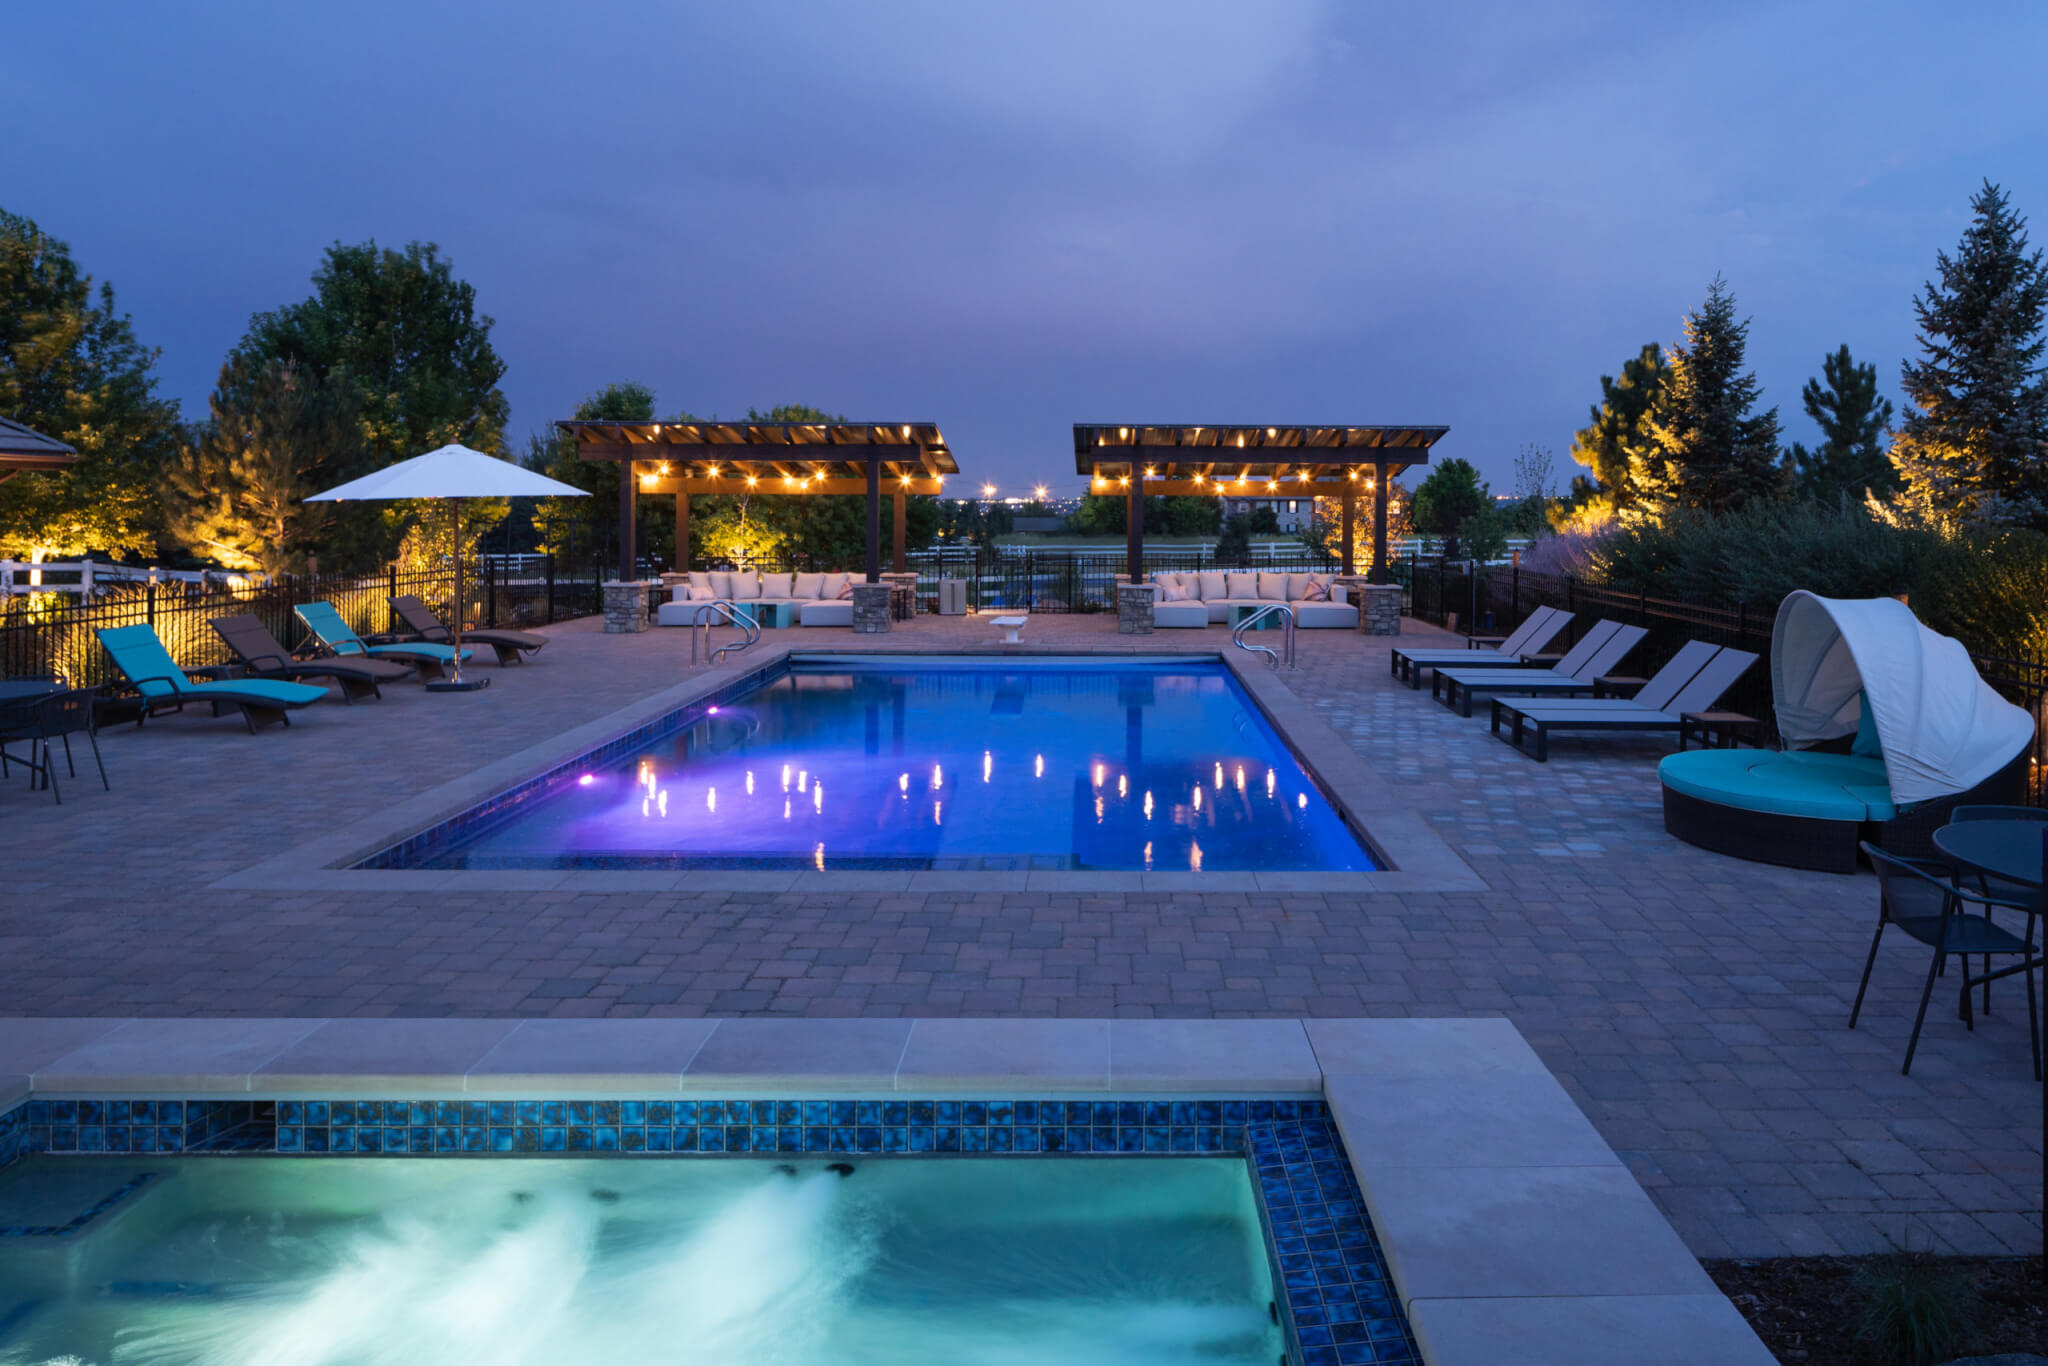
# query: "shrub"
1912,1310
1766,550
1990,592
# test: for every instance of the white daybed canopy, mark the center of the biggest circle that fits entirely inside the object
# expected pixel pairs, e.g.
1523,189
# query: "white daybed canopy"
1943,730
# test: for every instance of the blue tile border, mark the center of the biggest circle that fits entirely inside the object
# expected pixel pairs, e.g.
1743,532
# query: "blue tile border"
1343,1309
84,1216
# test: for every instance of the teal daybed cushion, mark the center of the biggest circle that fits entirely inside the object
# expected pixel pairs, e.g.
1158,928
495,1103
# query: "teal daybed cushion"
1826,787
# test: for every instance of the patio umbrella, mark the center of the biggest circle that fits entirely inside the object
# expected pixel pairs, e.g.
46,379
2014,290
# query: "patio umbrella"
452,474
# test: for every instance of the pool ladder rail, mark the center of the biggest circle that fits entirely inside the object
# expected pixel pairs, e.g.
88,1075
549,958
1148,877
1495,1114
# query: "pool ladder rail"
701,622
1273,657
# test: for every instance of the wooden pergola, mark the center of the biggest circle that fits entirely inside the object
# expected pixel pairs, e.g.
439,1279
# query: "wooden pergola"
25,451
1253,462
683,458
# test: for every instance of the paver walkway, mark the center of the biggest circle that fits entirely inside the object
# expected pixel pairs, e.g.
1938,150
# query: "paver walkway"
1694,1005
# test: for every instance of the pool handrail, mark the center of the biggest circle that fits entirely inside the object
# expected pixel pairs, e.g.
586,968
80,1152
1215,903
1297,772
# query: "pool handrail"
1287,634
701,622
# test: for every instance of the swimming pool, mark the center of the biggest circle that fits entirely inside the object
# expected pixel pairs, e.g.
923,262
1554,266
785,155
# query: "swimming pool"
884,762
291,1262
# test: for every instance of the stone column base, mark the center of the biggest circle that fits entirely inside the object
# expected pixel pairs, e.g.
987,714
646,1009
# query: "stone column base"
673,578
1379,609
871,609
905,586
625,607
1134,609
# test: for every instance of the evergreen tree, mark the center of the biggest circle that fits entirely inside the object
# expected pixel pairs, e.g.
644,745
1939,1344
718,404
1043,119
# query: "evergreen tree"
1977,440
1618,429
406,334
71,368
236,494
1853,418
1706,450
554,454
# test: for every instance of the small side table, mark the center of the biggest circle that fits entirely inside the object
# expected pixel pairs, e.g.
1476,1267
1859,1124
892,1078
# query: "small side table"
1618,685
1547,659
1240,610
1718,729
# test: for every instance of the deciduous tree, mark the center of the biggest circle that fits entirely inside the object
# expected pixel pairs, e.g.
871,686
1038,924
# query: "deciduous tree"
71,368
1618,430
1452,503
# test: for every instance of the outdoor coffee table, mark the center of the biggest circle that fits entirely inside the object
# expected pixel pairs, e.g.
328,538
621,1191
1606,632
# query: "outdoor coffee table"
1010,627
769,616
1240,610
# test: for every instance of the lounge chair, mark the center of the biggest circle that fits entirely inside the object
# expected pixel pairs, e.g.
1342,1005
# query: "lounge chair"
1698,693
163,686
1596,654
1656,694
421,621
336,636
1538,629
263,657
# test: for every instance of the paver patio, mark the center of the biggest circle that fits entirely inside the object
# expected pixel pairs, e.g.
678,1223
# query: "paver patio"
1693,1005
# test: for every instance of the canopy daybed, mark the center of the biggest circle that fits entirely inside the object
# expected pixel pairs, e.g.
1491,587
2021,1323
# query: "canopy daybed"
1887,727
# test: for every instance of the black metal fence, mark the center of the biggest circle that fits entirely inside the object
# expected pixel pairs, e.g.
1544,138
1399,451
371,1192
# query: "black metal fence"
53,633
1493,599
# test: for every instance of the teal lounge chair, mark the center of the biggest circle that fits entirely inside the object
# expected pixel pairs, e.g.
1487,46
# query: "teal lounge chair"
163,686
336,636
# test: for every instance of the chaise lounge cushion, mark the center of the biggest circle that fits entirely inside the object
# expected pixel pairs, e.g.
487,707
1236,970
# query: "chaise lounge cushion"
1799,783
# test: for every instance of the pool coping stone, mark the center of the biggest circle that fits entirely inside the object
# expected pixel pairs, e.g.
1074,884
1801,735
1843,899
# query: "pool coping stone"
1545,1244
1419,859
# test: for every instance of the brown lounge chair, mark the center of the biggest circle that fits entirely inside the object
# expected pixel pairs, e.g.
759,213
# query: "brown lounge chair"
263,657
421,621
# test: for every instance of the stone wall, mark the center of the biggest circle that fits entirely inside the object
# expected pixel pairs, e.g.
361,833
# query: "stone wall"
1134,609
1379,609
871,609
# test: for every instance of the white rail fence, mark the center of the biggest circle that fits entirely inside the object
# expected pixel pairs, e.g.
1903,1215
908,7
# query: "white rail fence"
87,577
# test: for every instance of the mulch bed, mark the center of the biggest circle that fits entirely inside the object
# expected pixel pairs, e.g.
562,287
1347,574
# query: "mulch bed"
1804,1308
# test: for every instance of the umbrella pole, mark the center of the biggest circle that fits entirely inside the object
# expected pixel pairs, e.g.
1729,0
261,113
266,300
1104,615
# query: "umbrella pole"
455,682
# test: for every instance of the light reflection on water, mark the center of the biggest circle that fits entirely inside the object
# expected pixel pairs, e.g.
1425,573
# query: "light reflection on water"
1160,767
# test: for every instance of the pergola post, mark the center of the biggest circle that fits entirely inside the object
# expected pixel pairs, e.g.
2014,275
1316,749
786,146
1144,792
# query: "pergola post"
1350,516
629,482
874,558
1379,523
682,533
902,501
1134,527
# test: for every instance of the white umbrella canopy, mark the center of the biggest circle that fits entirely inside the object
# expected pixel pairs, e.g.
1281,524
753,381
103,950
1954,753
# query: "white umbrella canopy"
452,473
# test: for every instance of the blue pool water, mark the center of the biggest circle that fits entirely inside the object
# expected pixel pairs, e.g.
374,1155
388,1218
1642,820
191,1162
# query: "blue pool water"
886,763
392,1261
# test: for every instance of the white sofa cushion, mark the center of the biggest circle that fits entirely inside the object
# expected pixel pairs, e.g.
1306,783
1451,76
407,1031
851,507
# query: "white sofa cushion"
1215,585
808,587
1272,587
777,585
1185,613
1240,587
717,580
1314,616
746,586
837,588
1315,587
1173,588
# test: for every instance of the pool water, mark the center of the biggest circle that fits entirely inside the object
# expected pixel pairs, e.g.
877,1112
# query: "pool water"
1133,765
388,1261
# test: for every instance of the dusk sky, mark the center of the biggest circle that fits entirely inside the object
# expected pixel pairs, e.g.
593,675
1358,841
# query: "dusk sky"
1009,218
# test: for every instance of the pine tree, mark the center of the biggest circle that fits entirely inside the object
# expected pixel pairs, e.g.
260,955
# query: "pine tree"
1977,442
236,494
1617,431
1706,450
1853,418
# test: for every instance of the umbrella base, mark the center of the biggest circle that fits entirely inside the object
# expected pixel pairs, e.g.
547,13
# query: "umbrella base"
458,685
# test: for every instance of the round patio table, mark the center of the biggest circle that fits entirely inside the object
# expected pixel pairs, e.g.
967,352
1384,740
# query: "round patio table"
2008,850
26,689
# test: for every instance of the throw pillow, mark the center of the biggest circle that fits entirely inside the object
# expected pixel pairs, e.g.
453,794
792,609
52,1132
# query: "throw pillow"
839,587
809,586
1241,587
777,585
1317,589
1173,591
702,592
1214,587
1272,587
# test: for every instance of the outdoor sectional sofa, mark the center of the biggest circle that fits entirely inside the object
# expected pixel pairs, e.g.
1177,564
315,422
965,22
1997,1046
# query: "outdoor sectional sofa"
767,599
1206,597
1923,733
